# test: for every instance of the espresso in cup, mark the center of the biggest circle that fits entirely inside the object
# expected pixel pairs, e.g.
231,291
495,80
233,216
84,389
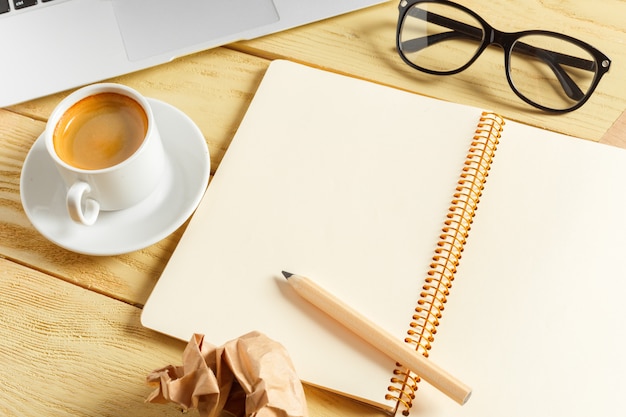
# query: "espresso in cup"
104,141
100,131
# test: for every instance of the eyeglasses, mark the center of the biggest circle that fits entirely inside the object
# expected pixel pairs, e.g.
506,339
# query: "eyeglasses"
548,70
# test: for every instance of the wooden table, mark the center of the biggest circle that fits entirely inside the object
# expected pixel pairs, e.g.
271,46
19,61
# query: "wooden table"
70,338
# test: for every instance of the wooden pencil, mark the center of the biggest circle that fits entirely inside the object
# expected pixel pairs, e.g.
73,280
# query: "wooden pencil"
379,338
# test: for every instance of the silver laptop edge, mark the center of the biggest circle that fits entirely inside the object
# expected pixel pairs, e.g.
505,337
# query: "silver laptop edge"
79,42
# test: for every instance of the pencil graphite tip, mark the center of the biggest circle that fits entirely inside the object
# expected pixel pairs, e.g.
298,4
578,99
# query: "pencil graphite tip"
287,274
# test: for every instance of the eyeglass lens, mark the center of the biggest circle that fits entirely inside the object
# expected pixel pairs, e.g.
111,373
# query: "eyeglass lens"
547,70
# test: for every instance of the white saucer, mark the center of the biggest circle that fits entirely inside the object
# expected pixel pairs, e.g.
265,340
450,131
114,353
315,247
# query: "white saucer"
117,232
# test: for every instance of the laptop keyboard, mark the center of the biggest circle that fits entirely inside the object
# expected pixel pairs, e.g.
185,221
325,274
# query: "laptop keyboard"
7,6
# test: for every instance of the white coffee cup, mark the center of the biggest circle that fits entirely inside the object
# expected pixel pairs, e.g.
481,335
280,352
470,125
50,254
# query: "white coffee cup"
107,149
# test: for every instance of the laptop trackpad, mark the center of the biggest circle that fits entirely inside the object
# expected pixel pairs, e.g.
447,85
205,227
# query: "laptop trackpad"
155,27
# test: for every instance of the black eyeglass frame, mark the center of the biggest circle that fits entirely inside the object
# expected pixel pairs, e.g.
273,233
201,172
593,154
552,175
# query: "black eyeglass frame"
506,40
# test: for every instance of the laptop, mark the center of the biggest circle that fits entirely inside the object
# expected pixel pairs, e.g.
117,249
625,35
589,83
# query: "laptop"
54,45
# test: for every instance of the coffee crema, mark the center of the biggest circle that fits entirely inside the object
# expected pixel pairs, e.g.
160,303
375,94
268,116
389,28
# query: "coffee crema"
100,131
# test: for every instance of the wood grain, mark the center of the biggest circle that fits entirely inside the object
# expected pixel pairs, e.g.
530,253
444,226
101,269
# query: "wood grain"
61,350
70,351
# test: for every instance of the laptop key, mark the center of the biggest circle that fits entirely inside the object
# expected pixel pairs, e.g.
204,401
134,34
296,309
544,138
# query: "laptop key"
4,6
20,4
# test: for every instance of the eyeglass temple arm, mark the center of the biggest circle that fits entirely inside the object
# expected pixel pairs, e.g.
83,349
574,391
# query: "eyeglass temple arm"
551,58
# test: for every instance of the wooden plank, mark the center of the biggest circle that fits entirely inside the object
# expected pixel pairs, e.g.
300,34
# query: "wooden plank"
70,351
363,44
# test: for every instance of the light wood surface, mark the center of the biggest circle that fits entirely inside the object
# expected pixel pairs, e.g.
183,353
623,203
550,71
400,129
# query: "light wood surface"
70,338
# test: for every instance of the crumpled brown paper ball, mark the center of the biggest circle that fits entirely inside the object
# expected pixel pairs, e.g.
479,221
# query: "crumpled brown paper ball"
249,376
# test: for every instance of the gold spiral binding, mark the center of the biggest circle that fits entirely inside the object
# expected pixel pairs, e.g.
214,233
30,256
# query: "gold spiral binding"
452,240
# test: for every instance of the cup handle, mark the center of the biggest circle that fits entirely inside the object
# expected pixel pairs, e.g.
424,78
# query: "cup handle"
82,209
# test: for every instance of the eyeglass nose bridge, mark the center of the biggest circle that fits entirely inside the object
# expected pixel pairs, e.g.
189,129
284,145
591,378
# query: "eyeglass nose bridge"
493,36
505,40
497,37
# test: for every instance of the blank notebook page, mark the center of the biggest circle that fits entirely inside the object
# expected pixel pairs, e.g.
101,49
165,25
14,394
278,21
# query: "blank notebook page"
341,180
349,183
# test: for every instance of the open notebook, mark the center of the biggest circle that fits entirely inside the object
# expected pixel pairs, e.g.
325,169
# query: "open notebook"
370,191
